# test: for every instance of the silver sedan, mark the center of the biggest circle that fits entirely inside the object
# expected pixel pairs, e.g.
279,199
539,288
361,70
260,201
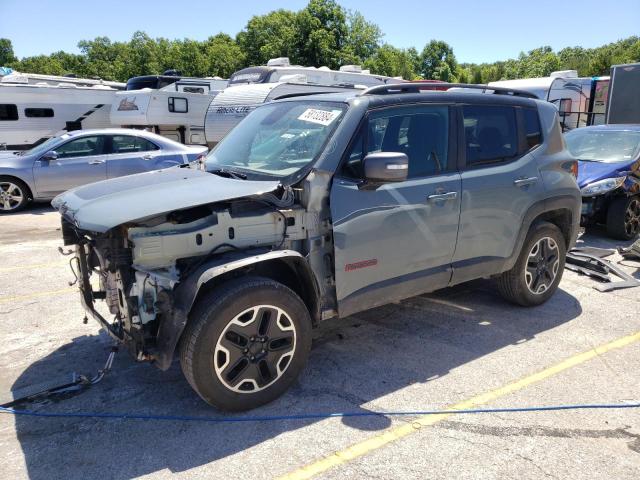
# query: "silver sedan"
81,157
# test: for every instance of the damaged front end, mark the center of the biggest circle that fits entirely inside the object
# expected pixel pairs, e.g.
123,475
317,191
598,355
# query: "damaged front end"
148,272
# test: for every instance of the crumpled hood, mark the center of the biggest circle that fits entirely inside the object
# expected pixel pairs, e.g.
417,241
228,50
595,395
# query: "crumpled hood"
101,206
589,172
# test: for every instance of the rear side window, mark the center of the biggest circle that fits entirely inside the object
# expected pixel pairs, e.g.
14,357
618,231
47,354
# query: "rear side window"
421,133
130,144
38,112
532,129
8,111
490,134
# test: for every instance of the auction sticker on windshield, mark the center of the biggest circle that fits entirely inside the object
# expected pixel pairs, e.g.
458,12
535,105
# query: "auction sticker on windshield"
321,117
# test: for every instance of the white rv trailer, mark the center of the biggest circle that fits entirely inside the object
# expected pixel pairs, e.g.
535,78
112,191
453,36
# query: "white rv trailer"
623,105
34,107
581,101
254,86
173,107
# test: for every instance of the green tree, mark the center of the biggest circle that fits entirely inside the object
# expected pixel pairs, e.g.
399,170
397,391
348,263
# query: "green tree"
539,62
223,56
269,36
434,56
394,62
362,40
321,33
6,52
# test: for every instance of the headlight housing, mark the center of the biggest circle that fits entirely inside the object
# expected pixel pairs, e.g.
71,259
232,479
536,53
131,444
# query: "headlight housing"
602,186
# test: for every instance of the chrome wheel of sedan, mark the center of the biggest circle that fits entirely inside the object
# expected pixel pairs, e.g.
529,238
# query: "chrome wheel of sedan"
542,265
255,349
12,196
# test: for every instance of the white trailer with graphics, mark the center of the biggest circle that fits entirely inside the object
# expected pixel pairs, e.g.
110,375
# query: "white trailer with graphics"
581,101
254,86
175,110
35,107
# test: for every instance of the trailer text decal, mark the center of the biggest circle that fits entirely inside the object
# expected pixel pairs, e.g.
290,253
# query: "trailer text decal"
321,117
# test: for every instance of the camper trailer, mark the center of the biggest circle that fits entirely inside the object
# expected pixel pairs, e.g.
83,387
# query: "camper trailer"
254,86
623,105
581,101
34,107
171,106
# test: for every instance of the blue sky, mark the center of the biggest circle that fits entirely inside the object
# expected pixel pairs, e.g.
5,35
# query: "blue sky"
477,31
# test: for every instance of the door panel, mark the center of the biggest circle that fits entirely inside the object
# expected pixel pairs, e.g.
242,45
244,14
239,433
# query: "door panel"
396,240
80,161
131,154
495,194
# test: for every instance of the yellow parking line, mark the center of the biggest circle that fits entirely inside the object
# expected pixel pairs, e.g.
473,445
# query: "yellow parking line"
28,296
31,267
391,435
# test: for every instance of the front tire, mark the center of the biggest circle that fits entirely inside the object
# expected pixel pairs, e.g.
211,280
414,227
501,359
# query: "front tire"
623,218
537,273
14,195
246,343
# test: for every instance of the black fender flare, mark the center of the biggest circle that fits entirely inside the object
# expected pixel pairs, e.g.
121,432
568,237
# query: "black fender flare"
176,315
560,202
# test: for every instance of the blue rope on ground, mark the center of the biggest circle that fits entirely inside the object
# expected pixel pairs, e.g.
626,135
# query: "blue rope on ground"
309,416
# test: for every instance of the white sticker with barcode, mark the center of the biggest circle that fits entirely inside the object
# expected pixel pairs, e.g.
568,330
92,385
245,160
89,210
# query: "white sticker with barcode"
321,117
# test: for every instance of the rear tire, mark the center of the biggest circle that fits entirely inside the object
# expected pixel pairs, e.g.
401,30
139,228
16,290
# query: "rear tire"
14,195
245,343
537,273
623,218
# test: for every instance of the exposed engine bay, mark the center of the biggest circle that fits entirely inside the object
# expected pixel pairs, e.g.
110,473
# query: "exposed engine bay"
136,267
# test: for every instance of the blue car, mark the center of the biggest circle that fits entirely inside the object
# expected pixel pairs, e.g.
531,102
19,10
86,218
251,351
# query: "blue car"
85,156
609,176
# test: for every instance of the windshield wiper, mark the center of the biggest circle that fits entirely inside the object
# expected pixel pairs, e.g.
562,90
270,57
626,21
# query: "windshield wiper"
223,172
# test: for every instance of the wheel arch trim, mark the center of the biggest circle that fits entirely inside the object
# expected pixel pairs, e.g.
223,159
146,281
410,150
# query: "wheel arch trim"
186,292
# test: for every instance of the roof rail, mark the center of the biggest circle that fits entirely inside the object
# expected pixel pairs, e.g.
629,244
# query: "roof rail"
415,87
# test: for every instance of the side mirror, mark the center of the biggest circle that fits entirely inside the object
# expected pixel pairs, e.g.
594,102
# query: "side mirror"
385,167
49,156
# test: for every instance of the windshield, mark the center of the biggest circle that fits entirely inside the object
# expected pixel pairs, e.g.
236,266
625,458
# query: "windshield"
278,139
603,146
44,146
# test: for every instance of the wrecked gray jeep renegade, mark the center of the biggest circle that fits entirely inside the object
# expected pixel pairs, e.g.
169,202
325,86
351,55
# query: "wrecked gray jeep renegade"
318,207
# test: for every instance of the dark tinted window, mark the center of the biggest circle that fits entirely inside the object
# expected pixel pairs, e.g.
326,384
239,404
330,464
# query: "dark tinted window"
532,129
490,133
420,133
8,112
178,105
81,147
38,112
130,144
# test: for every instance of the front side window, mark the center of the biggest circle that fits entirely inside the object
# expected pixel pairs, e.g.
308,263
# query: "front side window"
490,134
421,133
602,145
8,111
81,147
38,112
131,144
278,139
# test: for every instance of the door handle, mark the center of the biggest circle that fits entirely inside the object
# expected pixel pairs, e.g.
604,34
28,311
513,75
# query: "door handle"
523,182
96,162
147,157
441,197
